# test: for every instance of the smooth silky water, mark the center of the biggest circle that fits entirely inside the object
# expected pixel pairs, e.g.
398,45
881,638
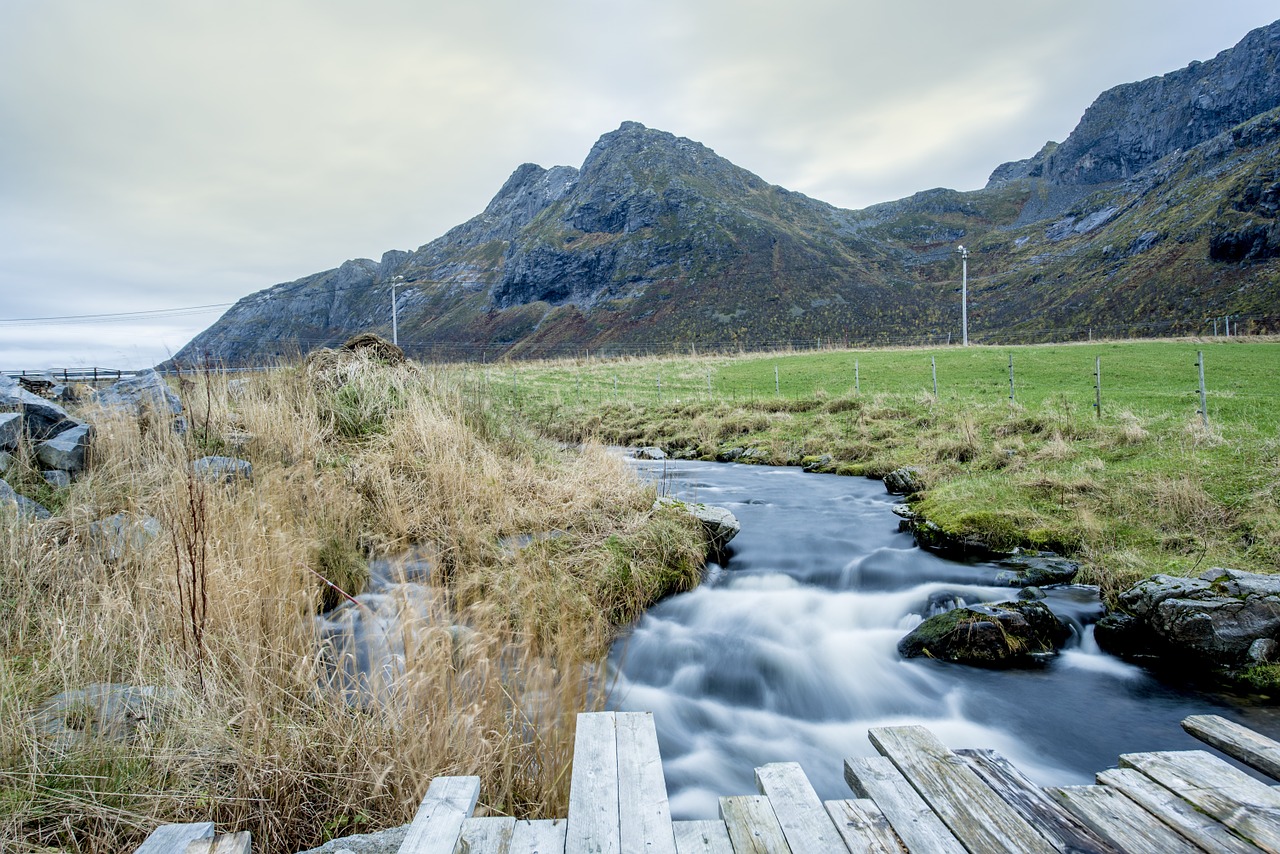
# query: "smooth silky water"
788,651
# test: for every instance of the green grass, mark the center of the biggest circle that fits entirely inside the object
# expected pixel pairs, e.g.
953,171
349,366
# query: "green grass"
1145,487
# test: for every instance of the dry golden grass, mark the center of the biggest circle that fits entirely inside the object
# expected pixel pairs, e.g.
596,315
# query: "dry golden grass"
350,457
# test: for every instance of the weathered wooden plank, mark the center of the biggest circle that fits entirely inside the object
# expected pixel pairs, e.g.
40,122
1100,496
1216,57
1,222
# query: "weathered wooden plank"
490,835
863,827
174,838
438,822
702,837
752,826
223,843
544,836
950,787
1125,824
592,826
916,825
1237,741
1180,815
645,823
804,822
1064,831
1249,807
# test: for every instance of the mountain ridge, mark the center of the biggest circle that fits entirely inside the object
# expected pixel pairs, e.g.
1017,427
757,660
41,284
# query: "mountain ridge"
658,239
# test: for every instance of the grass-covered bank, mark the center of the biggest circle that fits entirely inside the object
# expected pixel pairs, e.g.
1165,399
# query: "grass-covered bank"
351,458
1147,487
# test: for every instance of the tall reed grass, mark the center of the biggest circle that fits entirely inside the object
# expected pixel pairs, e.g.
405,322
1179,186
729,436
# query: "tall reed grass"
540,552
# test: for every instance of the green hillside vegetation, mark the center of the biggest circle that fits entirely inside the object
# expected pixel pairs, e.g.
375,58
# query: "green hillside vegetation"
1145,488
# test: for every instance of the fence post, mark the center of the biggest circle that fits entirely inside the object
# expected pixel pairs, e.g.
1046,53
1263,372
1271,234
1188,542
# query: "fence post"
1204,400
777,388
857,385
1097,385
933,364
1011,398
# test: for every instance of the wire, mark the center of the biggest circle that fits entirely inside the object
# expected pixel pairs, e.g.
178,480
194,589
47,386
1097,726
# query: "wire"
114,316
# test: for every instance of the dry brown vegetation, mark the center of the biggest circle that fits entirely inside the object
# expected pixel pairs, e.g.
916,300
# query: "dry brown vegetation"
351,458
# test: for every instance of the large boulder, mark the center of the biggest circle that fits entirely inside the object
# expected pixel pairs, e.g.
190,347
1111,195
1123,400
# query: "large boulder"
1036,569
1215,621
904,481
10,430
718,524
41,419
1004,634
66,451
102,710
145,392
117,536
25,506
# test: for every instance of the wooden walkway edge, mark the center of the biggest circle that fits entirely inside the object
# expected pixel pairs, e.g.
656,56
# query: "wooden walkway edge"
918,797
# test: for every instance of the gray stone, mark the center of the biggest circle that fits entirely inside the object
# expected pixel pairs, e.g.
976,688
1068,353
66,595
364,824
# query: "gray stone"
1003,634
903,481
117,536
41,419
117,712
719,525
6,460
650,452
224,469
25,506
57,479
10,430
1036,569
145,392
66,451
384,842
1262,651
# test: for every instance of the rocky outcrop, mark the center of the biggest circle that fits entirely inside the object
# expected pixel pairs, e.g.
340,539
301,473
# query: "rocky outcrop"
1004,634
904,481
1223,619
718,524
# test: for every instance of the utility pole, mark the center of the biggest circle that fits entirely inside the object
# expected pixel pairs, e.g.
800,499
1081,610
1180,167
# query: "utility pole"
964,294
395,325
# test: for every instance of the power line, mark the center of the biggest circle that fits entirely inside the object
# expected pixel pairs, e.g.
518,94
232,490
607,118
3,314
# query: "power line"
112,317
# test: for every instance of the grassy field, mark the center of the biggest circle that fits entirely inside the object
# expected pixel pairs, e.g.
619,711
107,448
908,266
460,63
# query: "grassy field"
351,459
1146,486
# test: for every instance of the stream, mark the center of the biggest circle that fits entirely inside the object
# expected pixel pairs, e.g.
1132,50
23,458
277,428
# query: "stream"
788,651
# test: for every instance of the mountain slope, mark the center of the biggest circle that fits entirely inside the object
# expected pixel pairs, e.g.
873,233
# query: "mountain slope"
1158,212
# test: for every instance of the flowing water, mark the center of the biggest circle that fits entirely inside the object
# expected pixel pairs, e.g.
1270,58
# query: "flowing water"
788,652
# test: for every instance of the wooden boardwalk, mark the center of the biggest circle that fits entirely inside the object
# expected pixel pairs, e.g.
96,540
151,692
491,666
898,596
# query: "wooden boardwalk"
918,796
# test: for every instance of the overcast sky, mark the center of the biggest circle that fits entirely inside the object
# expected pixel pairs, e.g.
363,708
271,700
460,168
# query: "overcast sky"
159,154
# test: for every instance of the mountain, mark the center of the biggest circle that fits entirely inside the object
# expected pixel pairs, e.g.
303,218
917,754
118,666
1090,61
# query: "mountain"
1157,213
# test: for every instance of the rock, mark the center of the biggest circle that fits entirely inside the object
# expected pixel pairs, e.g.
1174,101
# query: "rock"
904,512
25,506
117,712
903,481
823,464
122,534
41,419
1004,634
66,451
223,469
957,546
236,389
10,430
384,842
730,455
1261,651
1036,569
1031,593
6,460
145,392
1211,622
650,452
719,525
57,479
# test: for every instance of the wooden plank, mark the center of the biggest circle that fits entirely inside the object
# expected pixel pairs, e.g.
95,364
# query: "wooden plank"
224,843
916,825
752,826
1249,807
544,836
1237,741
491,835
702,837
174,838
438,822
804,822
1116,818
1064,831
592,826
645,824
950,787
1180,815
863,827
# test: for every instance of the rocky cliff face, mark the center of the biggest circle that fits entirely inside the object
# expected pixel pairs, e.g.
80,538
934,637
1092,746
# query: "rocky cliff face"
1158,212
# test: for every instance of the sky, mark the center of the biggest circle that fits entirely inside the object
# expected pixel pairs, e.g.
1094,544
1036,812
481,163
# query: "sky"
164,158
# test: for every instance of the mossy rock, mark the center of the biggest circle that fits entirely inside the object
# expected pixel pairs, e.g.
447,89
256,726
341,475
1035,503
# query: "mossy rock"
1005,634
